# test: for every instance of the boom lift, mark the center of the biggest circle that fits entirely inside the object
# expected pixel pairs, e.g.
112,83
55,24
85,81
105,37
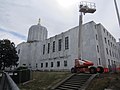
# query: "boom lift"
86,66
80,64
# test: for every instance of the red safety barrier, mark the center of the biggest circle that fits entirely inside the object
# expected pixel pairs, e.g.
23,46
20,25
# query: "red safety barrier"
106,70
118,69
114,69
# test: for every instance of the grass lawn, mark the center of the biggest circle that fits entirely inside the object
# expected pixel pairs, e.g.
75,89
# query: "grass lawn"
44,79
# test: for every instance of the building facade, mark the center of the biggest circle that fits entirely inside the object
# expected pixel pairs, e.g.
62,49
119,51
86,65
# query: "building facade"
118,47
59,52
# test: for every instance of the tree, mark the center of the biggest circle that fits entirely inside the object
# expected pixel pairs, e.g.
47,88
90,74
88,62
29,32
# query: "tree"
8,54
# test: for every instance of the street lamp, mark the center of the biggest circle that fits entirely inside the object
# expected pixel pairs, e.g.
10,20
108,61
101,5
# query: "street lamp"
85,7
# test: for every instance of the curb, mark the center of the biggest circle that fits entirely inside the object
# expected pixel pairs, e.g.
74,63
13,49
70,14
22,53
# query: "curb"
27,82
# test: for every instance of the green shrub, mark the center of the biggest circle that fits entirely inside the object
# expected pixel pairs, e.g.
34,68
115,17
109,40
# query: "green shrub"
21,68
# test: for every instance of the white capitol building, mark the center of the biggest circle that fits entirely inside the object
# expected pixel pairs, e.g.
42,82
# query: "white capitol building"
59,52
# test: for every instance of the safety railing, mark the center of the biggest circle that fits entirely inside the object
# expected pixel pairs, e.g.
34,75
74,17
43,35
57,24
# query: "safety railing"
6,82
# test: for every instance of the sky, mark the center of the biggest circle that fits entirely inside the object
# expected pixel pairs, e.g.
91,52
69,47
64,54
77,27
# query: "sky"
17,16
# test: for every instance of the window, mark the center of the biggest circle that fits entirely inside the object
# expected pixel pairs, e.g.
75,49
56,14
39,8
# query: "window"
58,63
46,64
99,61
59,44
41,65
107,33
113,54
43,49
29,64
65,63
114,40
53,46
24,64
108,42
19,51
36,65
51,64
107,50
111,44
97,48
96,37
112,62
66,43
105,41
110,36
48,47
104,30
108,61
110,52
95,26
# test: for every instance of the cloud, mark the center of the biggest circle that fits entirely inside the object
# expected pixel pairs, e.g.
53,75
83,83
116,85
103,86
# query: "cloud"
13,33
19,15
13,36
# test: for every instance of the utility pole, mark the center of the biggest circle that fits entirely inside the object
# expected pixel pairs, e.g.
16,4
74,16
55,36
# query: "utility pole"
117,11
85,7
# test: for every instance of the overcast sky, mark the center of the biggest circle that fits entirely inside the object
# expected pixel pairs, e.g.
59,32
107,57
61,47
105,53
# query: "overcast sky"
17,16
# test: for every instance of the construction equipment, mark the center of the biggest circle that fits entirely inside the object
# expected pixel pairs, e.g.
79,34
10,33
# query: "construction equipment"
86,66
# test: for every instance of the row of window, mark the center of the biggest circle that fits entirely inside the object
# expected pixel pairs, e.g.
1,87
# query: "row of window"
111,53
112,62
108,34
52,64
54,45
109,43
